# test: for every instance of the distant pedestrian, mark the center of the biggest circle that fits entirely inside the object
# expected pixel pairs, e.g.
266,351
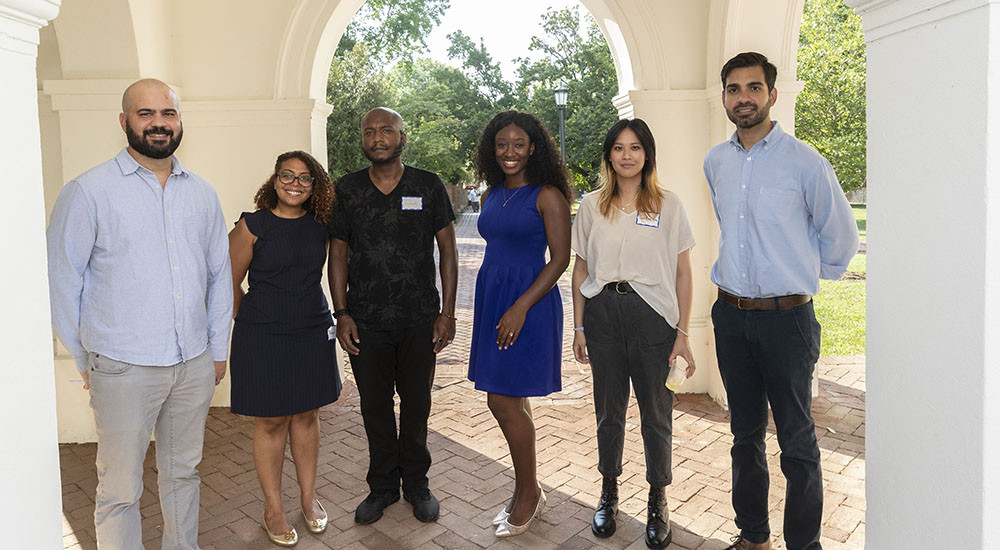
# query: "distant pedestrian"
785,223
473,197
632,308
517,327
284,355
388,216
142,297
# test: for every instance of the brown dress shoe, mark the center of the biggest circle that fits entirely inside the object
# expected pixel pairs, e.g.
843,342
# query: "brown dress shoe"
740,543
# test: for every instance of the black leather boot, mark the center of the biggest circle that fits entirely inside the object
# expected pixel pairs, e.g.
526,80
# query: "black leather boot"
657,519
603,525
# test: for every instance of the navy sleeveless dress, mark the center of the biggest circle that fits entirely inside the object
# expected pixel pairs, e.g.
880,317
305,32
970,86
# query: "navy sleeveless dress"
515,255
283,357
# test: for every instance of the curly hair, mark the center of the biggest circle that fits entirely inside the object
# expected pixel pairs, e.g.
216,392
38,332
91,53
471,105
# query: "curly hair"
320,202
545,165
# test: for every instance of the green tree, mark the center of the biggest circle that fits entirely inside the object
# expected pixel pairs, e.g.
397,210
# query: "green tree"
357,84
443,103
480,68
575,54
393,29
830,110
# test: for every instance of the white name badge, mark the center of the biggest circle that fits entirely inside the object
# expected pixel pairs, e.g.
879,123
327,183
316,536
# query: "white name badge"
413,203
642,220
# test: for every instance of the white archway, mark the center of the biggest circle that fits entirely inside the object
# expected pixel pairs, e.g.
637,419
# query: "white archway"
932,438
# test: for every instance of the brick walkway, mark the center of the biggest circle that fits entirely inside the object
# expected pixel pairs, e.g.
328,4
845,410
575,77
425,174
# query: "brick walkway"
472,474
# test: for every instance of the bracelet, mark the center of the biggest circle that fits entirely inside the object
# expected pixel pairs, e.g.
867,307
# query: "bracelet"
340,313
680,330
443,314
577,329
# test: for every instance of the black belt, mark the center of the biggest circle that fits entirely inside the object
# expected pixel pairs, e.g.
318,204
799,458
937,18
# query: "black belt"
621,287
764,304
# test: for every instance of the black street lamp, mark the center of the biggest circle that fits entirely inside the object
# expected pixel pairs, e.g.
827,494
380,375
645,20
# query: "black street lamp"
562,94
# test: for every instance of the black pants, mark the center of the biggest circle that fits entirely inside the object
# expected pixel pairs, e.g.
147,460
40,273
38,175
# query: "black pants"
627,340
396,361
769,357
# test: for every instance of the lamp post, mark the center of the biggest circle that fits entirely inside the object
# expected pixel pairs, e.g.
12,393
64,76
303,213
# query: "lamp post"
562,94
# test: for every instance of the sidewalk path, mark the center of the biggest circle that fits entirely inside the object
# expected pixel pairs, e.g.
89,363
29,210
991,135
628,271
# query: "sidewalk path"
472,474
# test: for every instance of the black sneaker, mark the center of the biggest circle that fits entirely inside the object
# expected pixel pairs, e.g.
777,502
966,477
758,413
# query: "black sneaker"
370,509
425,506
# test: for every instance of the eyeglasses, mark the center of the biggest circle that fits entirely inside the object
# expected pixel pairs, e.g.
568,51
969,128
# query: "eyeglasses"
305,180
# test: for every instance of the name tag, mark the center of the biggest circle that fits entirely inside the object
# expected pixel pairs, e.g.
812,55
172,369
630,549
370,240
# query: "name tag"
648,222
413,203
331,332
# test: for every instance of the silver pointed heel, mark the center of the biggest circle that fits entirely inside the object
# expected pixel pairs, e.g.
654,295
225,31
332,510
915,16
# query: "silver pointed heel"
507,529
502,516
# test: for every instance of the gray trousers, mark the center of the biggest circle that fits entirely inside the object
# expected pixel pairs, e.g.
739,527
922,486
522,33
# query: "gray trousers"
627,340
129,402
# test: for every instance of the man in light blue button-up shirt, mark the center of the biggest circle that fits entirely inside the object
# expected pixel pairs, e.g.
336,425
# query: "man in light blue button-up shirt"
785,223
141,293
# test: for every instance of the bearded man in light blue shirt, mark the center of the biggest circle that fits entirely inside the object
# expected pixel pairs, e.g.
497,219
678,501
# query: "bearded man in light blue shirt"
142,297
785,223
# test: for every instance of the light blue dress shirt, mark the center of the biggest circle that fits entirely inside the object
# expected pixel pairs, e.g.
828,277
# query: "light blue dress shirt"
784,220
138,272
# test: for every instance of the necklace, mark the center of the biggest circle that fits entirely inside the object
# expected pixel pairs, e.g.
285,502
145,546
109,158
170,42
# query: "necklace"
626,205
505,199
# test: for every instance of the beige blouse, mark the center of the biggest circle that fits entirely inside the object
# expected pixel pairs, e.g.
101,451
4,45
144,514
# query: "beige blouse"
634,248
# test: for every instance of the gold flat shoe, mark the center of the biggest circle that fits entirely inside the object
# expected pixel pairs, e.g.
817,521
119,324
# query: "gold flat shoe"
316,526
508,529
288,539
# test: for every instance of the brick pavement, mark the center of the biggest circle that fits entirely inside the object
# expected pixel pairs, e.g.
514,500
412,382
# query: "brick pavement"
472,474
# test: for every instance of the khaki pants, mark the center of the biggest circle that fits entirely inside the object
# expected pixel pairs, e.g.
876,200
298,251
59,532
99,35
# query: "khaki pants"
129,402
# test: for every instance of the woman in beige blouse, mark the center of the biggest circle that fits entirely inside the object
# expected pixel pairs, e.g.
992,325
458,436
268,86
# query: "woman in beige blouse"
631,308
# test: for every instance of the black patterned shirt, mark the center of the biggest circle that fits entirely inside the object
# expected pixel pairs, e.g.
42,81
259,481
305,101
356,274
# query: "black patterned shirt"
390,239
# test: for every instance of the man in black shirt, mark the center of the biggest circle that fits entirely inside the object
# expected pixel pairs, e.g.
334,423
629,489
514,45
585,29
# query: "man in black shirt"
387,307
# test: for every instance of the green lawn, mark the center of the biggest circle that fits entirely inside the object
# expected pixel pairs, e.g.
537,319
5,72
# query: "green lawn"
861,215
840,309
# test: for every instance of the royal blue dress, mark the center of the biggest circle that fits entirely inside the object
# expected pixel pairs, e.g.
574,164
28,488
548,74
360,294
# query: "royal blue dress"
515,255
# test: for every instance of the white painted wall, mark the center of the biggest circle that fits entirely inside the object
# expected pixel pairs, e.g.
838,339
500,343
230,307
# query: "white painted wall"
29,463
933,422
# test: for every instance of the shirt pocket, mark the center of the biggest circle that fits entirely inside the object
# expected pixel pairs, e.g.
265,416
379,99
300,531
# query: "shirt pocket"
777,205
196,225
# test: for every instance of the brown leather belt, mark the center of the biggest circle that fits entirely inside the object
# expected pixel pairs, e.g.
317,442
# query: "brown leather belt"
764,304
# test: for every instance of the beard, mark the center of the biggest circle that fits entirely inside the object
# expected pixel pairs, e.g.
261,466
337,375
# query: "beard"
393,157
748,122
145,148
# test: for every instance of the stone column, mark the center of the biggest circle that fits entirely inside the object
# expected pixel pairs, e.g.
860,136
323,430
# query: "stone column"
29,465
933,354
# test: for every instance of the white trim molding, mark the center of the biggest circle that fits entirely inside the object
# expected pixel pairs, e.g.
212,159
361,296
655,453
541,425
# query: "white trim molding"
882,18
20,21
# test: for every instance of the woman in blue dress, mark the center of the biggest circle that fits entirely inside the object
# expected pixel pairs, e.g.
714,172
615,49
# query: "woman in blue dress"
517,330
284,360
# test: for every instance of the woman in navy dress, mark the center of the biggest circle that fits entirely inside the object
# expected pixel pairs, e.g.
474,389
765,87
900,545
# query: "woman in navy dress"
284,365
517,328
